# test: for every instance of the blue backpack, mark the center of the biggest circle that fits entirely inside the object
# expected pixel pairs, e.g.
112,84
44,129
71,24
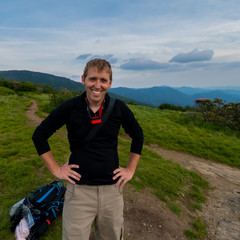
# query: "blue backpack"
45,205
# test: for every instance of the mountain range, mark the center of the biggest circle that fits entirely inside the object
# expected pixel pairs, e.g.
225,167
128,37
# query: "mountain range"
181,96
153,96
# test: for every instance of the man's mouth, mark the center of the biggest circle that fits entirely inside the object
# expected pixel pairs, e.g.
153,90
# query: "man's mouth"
96,92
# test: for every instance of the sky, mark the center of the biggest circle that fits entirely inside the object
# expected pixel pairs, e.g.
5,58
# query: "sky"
193,43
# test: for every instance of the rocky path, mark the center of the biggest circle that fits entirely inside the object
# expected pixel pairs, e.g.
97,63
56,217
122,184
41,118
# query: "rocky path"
147,218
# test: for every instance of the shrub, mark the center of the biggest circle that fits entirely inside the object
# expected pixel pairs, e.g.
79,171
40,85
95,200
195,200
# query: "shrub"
60,96
174,107
218,112
18,86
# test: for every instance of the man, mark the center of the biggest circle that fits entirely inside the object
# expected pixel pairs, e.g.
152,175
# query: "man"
95,180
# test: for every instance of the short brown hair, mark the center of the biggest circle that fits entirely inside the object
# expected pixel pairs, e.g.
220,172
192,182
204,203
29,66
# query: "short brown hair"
100,64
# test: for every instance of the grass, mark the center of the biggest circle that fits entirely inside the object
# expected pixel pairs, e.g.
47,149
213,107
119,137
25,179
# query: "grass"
6,91
21,170
178,131
199,230
167,180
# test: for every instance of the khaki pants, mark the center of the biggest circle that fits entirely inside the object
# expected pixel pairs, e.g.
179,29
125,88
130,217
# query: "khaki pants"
83,204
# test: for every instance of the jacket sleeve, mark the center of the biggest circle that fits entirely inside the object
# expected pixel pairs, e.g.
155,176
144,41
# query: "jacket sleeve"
133,129
55,120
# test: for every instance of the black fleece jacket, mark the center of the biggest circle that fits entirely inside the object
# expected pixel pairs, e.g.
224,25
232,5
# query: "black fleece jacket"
98,158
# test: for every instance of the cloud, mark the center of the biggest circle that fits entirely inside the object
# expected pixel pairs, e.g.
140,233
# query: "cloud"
90,56
142,64
83,56
108,57
193,56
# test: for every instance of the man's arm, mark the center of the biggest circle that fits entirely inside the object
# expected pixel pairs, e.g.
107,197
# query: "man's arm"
126,174
63,172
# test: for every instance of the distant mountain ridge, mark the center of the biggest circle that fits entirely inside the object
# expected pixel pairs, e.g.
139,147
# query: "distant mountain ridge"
42,78
176,96
155,95
152,97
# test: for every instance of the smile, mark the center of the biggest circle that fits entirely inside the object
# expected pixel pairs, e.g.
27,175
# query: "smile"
96,92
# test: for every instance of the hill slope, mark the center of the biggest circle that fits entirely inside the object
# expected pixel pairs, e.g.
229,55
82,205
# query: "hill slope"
42,78
156,95
176,96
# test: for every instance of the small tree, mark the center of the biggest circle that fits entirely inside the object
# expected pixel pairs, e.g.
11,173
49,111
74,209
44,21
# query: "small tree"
205,106
171,107
218,112
60,96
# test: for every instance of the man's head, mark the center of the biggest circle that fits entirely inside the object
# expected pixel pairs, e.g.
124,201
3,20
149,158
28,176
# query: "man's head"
97,78
100,64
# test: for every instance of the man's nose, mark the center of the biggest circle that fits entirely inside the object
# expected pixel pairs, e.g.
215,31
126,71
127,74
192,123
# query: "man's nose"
98,84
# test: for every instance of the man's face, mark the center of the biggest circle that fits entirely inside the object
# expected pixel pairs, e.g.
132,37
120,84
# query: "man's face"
96,85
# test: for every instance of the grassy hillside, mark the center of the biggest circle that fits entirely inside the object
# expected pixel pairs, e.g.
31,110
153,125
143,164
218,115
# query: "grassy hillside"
186,133
21,170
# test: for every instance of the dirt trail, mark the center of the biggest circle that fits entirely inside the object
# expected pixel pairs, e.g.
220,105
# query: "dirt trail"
147,218
34,119
222,210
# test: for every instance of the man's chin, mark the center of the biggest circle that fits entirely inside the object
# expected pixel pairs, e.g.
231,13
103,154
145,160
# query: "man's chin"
97,98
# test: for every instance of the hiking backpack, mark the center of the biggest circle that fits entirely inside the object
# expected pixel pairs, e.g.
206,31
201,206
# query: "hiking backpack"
40,209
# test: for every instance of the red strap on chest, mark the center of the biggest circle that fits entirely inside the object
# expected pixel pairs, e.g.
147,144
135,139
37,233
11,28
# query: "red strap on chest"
97,119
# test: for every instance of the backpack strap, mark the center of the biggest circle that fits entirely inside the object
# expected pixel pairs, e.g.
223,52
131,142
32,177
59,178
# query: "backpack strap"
94,130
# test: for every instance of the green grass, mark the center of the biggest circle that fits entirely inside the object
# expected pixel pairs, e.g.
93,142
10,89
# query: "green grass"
177,131
6,91
43,102
22,171
199,230
167,180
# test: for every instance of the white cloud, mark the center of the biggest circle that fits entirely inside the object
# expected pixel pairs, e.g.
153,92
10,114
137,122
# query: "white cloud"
193,56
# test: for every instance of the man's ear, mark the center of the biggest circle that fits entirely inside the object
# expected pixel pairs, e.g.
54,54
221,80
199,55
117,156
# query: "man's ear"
83,80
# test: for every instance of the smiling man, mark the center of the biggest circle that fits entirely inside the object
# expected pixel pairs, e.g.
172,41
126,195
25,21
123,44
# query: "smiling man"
95,180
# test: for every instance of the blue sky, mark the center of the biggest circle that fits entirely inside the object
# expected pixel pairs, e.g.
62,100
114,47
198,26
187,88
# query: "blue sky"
193,43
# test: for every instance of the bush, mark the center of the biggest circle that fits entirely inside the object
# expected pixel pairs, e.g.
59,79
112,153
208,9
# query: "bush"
60,96
174,107
217,111
25,86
